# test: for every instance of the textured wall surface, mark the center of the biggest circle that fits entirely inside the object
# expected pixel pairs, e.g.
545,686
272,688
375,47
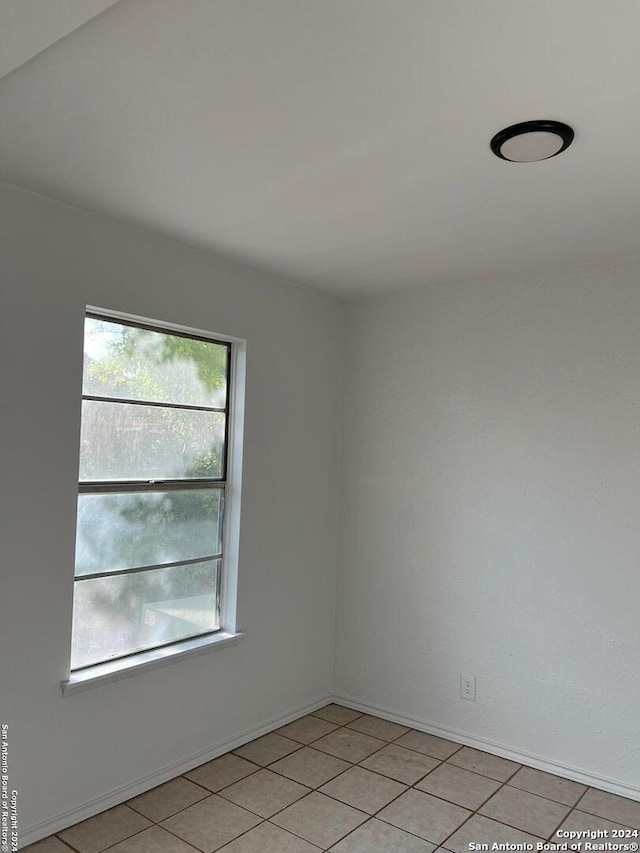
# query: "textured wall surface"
54,261
491,514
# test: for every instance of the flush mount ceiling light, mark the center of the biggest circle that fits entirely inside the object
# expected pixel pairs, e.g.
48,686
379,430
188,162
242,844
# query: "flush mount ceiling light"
530,141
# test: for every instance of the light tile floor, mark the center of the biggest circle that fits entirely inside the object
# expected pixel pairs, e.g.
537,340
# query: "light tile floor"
340,781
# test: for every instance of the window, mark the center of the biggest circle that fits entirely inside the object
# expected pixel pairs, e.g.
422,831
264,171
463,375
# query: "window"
154,460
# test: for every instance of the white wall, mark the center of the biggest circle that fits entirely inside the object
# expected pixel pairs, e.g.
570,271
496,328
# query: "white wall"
491,514
68,751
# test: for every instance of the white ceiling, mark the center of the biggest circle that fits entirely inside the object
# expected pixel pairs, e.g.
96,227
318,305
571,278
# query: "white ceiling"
342,143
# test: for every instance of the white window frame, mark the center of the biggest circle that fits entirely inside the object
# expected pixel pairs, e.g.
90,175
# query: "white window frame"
228,634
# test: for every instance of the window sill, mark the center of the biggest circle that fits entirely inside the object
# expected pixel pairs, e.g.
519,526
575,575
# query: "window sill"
104,673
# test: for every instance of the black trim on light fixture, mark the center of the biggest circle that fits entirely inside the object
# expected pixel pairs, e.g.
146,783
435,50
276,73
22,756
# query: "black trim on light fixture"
545,125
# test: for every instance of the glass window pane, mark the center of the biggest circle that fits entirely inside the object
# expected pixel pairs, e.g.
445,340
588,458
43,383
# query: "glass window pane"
116,616
127,530
123,441
138,364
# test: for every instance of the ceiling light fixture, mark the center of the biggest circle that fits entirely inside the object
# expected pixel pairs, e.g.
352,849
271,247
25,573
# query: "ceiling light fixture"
530,141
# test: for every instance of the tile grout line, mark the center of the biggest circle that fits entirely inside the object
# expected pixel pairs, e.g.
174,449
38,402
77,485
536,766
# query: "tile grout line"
316,790
70,846
109,846
157,822
266,767
569,813
369,816
447,760
504,784
199,849
128,838
299,746
309,745
441,761
476,812
591,814
348,726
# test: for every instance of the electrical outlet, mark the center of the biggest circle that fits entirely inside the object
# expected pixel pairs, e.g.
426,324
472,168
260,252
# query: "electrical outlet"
468,687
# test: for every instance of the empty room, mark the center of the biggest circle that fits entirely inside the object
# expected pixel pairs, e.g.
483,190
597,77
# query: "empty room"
320,333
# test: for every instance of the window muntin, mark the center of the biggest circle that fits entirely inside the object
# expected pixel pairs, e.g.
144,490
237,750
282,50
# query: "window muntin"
153,463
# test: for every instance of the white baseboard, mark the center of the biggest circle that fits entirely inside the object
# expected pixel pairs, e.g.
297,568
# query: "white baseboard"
29,835
540,763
